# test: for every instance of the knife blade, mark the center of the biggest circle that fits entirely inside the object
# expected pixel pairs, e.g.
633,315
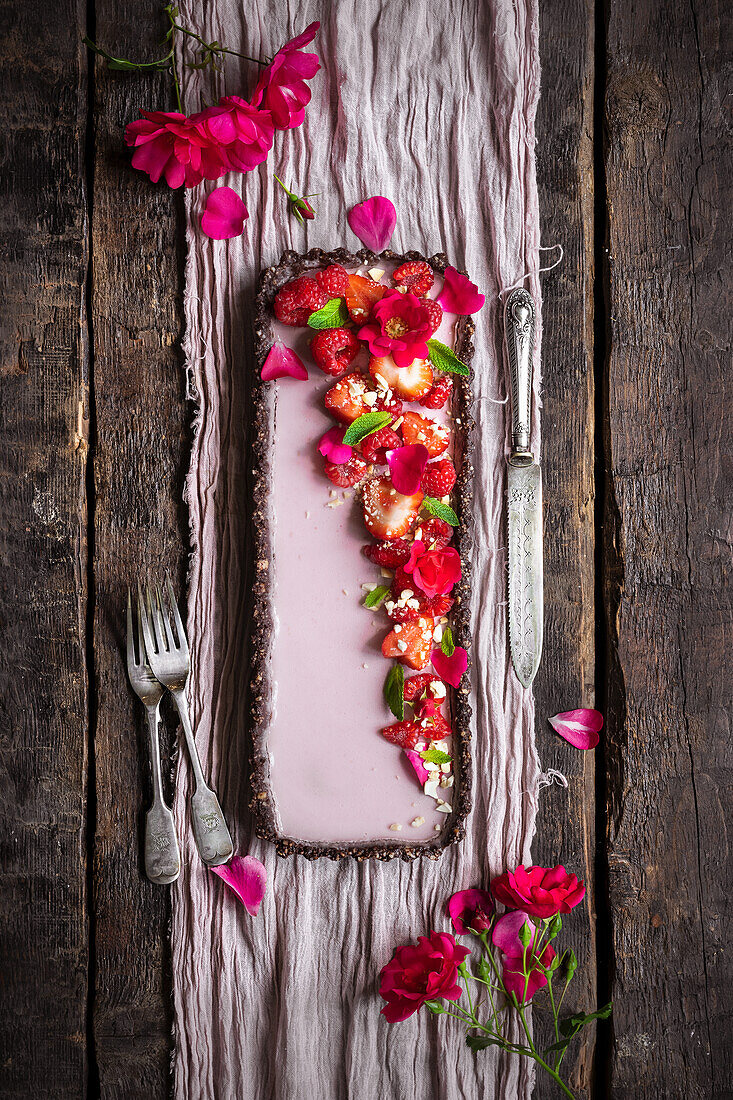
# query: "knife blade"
524,493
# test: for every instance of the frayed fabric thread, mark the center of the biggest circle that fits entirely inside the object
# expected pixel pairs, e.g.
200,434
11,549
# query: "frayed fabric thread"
537,271
550,777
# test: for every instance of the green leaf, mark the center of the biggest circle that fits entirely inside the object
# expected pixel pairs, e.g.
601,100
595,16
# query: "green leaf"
394,691
333,315
436,507
571,1025
446,642
435,756
481,1042
375,597
365,425
444,359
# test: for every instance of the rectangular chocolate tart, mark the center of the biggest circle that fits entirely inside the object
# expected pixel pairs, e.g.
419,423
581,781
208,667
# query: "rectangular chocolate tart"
324,782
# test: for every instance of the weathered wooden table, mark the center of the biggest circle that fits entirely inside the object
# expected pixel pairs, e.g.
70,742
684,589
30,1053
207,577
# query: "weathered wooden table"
635,181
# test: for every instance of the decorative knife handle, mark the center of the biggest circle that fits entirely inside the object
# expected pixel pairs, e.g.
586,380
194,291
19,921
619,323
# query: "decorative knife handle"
519,315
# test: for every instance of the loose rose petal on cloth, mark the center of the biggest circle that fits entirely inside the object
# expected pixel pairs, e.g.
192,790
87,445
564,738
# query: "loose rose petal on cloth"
333,448
418,764
224,214
579,727
247,877
373,222
406,466
451,668
282,362
459,294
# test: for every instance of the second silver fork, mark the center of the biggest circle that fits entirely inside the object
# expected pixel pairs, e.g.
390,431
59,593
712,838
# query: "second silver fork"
169,659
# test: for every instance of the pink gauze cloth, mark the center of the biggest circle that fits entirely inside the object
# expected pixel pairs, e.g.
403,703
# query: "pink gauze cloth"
432,105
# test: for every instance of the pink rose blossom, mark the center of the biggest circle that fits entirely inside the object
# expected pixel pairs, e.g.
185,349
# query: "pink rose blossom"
436,571
240,134
282,87
541,891
406,465
399,326
282,362
516,958
224,214
333,448
169,144
452,668
425,971
459,294
580,727
471,911
247,877
373,222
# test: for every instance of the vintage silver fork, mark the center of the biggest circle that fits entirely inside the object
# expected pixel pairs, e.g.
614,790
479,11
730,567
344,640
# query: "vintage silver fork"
170,661
162,856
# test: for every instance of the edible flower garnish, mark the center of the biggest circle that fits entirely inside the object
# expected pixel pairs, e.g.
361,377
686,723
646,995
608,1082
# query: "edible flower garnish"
282,362
579,727
451,668
247,877
373,222
333,448
399,326
224,214
406,467
459,294
435,572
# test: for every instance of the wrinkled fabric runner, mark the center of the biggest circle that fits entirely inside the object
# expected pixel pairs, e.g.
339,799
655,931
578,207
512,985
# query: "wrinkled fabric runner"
432,105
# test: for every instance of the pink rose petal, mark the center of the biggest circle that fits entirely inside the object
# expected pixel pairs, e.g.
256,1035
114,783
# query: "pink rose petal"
451,668
418,764
579,727
333,448
373,221
406,465
247,877
224,214
416,552
282,362
459,294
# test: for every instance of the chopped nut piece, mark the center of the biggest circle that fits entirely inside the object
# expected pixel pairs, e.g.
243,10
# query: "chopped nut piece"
444,808
417,822
437,633
375,273
395,827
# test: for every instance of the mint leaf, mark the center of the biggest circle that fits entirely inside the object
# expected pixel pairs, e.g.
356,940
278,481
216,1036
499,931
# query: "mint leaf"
435,756
435,507
333,315
375,597
444,359
365,425
446,642
394,691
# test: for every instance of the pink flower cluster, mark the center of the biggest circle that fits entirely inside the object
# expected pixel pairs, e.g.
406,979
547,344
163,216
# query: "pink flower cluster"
233,136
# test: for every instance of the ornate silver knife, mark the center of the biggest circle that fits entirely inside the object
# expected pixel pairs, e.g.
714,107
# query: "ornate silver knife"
524,481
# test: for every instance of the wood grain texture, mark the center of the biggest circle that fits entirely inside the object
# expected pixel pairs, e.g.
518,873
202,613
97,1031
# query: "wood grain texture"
43,452
566,820
667,566
139,450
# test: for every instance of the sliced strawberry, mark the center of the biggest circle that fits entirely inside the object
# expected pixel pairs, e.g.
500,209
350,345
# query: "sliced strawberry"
389,554
361,296
375,446
403,734
387,513
410,643
346,474
421,429
345,400
411,382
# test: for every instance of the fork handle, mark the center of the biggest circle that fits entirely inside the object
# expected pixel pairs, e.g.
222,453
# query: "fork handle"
162,855
210,831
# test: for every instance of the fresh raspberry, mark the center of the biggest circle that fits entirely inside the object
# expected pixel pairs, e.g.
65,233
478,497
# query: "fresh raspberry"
403,734
434,727
435,313
334,280
389,554
426,605
346,474
375,446
393,406
439,478
435,533
439,394
416,276
334,349
297,300
416,685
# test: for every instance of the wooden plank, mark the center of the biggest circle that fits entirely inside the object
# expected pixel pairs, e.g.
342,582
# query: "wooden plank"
566,678
140,528
668,547
43,458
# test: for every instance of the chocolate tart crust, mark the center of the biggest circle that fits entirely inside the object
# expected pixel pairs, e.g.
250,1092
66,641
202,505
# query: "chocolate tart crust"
271,281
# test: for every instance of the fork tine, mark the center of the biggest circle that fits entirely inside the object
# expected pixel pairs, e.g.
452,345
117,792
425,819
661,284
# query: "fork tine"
165,619
131,662
182,639
147,625
141,637
153,616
